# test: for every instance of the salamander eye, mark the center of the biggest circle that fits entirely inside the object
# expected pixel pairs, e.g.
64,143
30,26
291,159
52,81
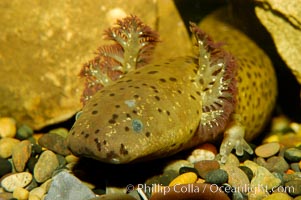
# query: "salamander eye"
137,125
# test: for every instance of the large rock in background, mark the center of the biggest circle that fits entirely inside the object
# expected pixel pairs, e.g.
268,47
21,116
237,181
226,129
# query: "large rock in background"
282,19
43,45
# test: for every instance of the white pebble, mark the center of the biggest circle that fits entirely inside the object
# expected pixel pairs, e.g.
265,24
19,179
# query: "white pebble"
200,154
13,181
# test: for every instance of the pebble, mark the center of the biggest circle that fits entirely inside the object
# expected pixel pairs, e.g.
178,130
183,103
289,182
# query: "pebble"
257,193
293,154
295,167
190,192
296,184
185,178
38,191
33,197
163,179
68,187
247,171
278,196
6,146
200,154
265,178
252,165
188,169
290,177
276,164
31,163
60,131
20,155
232,160
7,127
236,177
20,193
24,132
55,143
6,195
5,167
176,165
45,166
217,176
267,150
15,180
204,166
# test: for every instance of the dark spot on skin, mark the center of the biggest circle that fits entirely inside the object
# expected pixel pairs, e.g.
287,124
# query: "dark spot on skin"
174,144
192,80
156,91
197,112
195,71
190,131
117,106
122,150
157,65
126,128
135,111
198,93
130,86
104,142
95,104
73,133
166,63
96,131
94,112
87,135
158,98
137,125
137,87
121,88
179,91
137,72
98,144
112,121
144,84
167,112
159,110
153,87
114,116
112,94
152,72
128,115
173,79
192,97
162,80
136,96
201,81
128,80
82,133
147,134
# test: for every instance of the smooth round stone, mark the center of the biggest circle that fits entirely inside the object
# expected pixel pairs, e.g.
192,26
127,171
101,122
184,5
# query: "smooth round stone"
6,146
204,166
45,166
278,196
200,154
38,191
62,161
293,154
5,167
267,150
55,143
114,197
36,149
185,178
232,160
236,177
163,179
296,184
264,177
24,132
247,171
176,165
7,127
60,131
217,176
32,161
188,169
193,191
20,155
276,164
295,167
20,193
13,181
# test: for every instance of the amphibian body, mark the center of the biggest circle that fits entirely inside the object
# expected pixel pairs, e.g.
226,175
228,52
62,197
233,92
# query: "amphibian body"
167,106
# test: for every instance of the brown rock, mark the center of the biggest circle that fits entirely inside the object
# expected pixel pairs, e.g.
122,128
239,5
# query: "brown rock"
55,143
21,153
205,166
45,166
267,150
54,39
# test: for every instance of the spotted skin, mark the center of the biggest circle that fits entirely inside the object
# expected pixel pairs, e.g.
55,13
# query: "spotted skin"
159,109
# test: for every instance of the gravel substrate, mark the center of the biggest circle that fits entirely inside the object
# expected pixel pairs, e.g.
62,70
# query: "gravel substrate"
39,166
